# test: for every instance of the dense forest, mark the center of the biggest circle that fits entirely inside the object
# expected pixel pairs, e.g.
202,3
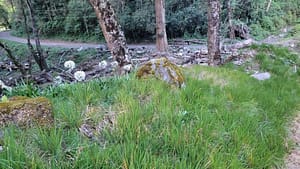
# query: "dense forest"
76,19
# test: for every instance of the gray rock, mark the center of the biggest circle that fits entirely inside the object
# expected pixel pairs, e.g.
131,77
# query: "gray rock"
262,76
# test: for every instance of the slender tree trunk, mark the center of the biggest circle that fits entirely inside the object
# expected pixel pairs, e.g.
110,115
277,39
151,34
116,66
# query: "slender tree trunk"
29,45
112,32
213,38
85,19
161,35
41,61
13,59
269,5
230,15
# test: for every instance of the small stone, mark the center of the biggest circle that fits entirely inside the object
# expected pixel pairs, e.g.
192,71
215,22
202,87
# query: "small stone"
235,54
292,45
140,52
203,51
262,76
81,49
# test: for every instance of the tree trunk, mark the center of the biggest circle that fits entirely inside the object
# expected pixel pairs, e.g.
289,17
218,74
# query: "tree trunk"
29,45
213,39
112,32
161,35
230,12
41,61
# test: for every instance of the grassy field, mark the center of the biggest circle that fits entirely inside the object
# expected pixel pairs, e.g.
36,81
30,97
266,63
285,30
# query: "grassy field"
222,119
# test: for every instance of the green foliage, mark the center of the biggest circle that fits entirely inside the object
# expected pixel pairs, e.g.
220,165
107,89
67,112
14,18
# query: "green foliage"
277,60
295,31
81,20
75,19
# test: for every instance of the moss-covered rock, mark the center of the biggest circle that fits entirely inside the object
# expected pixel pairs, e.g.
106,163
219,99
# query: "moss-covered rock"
163,69
26,112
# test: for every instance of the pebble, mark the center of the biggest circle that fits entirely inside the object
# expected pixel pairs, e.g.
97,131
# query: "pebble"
262,76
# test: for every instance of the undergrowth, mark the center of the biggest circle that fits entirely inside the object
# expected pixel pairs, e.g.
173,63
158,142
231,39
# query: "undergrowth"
237,123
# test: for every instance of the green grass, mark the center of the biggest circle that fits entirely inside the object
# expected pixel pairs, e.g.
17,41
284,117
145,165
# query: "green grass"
222,119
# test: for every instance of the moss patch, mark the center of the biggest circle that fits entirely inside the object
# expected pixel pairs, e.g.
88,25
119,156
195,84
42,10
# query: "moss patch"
162,69
24,111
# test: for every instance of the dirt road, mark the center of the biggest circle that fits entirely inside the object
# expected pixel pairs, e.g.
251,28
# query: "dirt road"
5,35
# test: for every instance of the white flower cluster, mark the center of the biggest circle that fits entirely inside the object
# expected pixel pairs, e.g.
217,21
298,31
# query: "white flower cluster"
79,75
102,64
69,65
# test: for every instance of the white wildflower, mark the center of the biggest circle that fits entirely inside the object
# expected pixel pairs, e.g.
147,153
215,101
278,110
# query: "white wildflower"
103,64
69,64
79,75
127,67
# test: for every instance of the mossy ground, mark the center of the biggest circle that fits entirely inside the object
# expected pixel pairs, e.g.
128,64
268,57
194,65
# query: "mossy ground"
209,124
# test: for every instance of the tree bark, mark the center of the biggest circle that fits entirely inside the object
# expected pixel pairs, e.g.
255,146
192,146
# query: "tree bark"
112,32
161,35
40,59
213,39
230,12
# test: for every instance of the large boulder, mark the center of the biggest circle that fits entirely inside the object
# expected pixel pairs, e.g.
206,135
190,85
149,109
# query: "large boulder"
163,69
25,112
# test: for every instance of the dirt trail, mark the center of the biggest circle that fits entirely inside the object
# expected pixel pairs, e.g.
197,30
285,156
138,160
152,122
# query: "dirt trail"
5,35
292,161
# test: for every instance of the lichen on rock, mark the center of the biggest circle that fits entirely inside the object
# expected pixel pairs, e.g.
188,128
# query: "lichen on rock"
163,69
25,112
